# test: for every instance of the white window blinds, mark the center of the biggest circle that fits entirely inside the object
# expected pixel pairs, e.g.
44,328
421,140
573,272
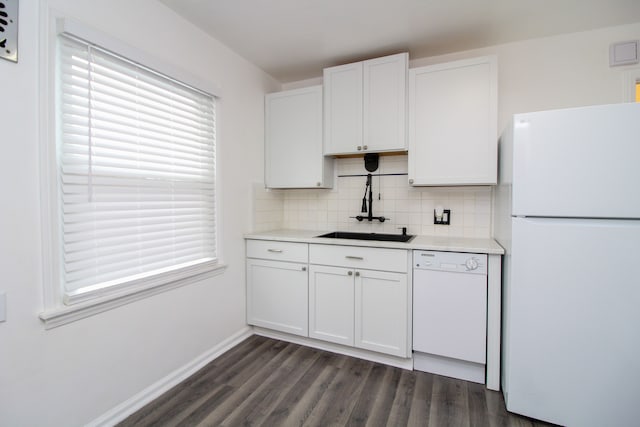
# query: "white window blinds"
136,156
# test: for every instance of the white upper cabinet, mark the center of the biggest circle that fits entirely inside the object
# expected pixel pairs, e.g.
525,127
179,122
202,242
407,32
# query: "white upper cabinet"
293,140
343,108
453,123
365,106
385,103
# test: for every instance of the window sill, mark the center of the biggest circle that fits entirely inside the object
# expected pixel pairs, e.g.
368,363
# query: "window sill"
58,316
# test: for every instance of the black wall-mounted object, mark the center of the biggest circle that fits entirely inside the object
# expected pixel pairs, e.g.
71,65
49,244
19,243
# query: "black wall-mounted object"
9,30
371,161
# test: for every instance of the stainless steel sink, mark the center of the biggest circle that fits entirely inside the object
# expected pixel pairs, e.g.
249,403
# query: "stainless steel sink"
368,236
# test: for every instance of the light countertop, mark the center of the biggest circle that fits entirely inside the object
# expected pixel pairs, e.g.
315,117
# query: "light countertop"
431,243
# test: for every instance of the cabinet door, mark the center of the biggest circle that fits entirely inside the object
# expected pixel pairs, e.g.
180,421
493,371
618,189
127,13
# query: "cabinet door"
382,312
331,299
293,140
343,109
453,123
277,296
385,103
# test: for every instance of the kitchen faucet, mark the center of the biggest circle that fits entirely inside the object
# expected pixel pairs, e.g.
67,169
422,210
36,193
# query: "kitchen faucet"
364,209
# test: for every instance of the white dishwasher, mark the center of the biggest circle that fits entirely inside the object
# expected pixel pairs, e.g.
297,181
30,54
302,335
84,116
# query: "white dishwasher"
450,314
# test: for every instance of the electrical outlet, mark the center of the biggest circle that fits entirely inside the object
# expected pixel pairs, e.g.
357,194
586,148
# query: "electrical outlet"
9,30
443,218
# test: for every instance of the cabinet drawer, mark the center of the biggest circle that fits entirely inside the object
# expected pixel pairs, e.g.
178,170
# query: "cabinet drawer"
359,257
281,251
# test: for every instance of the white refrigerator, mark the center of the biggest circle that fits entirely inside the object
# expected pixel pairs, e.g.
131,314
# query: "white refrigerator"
568,215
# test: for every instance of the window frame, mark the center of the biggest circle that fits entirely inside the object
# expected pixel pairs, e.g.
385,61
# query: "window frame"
59,309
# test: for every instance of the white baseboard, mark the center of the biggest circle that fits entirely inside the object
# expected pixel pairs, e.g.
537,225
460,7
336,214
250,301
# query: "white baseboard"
131,405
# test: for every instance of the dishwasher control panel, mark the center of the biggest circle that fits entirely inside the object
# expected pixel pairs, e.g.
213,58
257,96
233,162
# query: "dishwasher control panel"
450,261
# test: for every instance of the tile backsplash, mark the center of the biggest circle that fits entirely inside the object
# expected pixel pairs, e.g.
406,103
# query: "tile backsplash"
393,198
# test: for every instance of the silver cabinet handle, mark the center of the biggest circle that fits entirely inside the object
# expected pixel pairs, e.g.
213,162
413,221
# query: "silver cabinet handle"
354,257
364,147
350,273
411,181
304,268
359,147
318,184
357,274
277,251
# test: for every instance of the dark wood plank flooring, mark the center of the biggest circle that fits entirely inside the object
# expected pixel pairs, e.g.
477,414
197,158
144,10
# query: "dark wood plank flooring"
274,383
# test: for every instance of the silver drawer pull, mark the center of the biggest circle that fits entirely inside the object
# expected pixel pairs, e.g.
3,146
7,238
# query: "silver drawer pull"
354,257
350,273
278,251
304,268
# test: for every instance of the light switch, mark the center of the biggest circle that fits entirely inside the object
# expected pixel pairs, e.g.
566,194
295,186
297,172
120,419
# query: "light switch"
3,306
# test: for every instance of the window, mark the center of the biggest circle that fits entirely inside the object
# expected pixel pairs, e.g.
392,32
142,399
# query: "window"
136,174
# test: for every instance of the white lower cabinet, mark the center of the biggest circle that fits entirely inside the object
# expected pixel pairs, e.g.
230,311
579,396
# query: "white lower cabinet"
355,306
277,286
331,304
381,307
353,296
277,295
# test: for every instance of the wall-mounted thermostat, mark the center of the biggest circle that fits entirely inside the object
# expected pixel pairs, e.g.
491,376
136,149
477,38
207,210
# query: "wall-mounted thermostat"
9,30
623,53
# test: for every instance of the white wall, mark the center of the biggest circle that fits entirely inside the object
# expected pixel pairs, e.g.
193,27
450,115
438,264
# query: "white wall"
72,374
555,72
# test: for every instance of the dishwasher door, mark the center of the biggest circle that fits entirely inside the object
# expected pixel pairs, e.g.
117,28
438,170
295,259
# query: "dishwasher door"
450,313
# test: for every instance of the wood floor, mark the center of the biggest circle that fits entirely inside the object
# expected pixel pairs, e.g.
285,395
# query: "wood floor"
274,383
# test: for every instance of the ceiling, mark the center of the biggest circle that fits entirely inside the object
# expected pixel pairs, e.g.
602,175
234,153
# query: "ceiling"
294,39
